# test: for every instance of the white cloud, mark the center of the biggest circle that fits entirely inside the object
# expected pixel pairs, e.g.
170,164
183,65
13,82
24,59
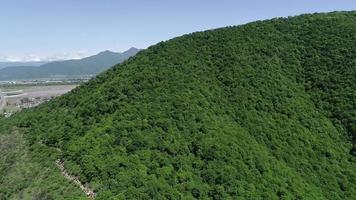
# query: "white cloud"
45,58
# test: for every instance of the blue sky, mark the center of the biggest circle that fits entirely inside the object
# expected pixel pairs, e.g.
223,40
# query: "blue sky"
46,29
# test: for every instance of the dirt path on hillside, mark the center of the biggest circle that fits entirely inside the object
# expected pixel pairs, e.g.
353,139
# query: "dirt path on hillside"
86,189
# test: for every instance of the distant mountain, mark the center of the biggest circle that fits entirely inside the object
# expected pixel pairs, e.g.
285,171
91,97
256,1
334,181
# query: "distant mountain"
69,68
15,64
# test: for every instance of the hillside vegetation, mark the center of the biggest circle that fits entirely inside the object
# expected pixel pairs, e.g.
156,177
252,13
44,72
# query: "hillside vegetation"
264,110
29,173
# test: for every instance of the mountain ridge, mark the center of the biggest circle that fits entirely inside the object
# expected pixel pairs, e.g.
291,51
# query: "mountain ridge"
16,64
75,67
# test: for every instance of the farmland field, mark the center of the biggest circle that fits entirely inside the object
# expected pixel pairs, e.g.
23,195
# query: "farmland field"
17,97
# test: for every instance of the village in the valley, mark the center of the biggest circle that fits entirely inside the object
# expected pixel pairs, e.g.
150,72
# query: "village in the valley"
14,99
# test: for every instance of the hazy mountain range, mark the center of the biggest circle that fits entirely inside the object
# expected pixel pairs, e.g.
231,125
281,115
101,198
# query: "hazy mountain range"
15,64
69,68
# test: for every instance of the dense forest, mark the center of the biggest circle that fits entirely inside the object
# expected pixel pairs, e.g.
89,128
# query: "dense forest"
264,110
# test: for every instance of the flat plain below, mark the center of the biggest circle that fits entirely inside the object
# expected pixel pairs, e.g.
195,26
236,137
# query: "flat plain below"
15,93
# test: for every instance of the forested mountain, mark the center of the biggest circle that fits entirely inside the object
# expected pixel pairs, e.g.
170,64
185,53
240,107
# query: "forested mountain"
264,110
87,66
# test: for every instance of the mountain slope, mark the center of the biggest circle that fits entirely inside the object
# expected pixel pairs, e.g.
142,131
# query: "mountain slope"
71,68
26,174
259,111
24,64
